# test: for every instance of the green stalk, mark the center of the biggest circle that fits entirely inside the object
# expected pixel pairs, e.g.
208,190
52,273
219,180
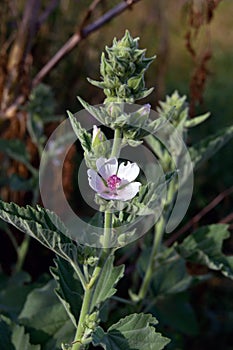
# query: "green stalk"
22,252
81,325
90,286
116,147
159,231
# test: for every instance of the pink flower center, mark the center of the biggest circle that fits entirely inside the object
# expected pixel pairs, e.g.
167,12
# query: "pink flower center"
113,182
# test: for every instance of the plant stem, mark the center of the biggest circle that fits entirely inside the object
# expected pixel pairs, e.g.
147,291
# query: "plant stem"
22,252
90,286
107,229
116,143
159,231
81,324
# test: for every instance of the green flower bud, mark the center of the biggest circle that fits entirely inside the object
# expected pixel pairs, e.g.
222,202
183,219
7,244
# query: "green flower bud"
97,136
122,71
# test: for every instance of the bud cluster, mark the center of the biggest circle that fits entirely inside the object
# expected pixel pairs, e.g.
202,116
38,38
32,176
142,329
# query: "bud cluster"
122,71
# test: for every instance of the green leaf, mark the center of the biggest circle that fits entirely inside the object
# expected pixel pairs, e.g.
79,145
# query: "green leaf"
170,275
39,223
204,247
155,145
21,340
5,332
18,284
210,145
134,332
144,93
42,103
15,149
175,312
35,127
14,337
196,121
104,287
84,137
171,278
136,82
65,334
99,113
69,288
44,317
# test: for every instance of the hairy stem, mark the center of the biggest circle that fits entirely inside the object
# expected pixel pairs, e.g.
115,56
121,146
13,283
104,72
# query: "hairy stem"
90,287
159,231
116,143
81,324
22,253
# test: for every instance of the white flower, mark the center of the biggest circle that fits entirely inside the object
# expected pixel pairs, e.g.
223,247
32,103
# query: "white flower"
113,182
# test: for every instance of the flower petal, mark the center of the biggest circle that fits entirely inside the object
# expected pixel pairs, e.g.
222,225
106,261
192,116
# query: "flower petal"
128,192
107,167
128,171
109,195
95,181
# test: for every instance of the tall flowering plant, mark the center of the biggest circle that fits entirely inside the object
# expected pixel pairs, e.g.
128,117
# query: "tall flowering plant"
129,194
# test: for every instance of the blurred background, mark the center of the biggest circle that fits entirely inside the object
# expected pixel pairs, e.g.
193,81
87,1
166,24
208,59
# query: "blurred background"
58,44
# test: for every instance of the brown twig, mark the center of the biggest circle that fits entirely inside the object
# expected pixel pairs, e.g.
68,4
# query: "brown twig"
74,40
199,216
227,219
89,12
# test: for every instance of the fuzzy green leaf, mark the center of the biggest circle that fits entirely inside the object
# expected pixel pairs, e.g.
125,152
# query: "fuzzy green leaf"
97,112
155,145
96,83
204,247
171,278
134,332
39,223
210,145
42,103
170,275
5,334
44,317
18,284
69,289
14,337
190,123
21,340
109,277
144,93
84,137
35,127
167,309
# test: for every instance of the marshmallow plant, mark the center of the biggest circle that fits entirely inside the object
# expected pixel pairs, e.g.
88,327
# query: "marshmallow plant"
85,312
